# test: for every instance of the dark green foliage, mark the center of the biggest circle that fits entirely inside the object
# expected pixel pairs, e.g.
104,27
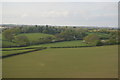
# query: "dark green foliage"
99,43
96,36
41,29
67,35
8,34
93,39
71,35
114,38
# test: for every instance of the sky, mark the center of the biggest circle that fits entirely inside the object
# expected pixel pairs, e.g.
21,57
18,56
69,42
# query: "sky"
59,0
103,14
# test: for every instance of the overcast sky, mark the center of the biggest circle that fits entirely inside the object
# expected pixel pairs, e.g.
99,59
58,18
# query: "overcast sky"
61,13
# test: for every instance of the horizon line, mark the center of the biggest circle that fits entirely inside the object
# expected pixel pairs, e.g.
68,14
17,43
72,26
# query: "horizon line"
60,25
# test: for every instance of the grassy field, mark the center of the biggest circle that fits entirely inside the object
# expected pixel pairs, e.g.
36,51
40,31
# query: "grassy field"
0,36
63,44
57,44
101,35
17,48
15,51
35,36
89,62
8,43
32,37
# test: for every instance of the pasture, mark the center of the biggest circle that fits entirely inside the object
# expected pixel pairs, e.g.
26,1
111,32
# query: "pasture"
63,44
8,43
88,62
35,36
101,35
15,51
57,44
32,38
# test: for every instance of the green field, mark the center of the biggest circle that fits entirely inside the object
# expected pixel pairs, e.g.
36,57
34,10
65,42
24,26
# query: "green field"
17,48
35,36
57,44
15,51
32,37
8,43
63,44
89,62
101,35
0,36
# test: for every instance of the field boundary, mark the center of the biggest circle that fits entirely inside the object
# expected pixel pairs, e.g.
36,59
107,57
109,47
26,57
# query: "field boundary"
39,48
22,48
10,55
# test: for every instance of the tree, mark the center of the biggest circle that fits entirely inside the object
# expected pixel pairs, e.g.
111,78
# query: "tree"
79,34
71,34
114,38
67,35
93,39
8,34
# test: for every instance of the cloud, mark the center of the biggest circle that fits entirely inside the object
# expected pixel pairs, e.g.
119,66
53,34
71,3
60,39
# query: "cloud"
24,15
54,14
98,14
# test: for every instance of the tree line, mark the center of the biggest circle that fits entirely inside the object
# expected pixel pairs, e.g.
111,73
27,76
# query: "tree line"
88,35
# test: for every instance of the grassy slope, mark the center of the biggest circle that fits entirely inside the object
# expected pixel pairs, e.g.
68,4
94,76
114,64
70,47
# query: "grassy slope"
31,36
35,36
101,35
98,62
